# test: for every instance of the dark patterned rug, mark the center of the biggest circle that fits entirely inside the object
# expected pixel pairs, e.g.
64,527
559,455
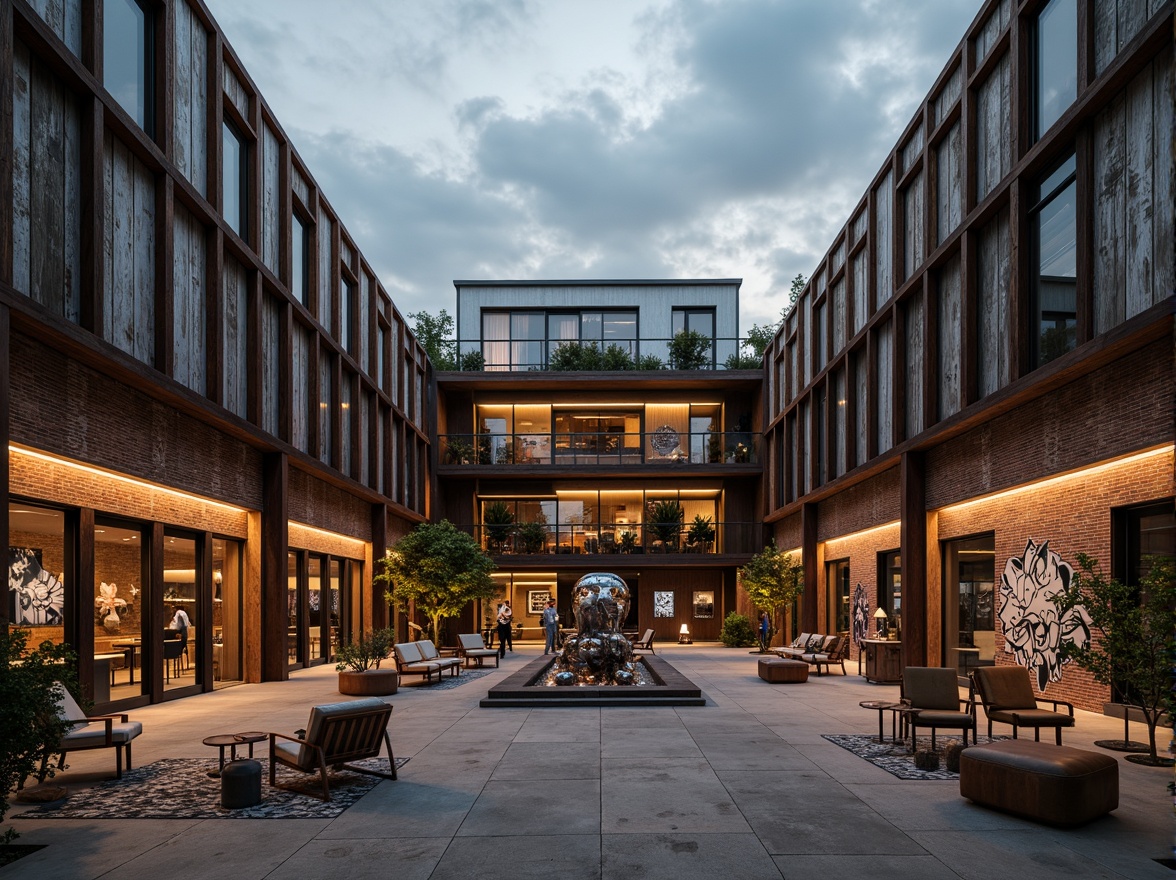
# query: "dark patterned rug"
895,758
448,682
180,788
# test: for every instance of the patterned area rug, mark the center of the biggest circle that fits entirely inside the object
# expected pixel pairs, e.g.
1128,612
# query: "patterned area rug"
895,758
449,682
180,788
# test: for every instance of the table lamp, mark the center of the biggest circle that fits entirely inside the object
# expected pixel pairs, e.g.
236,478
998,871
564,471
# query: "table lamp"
684,636
880,617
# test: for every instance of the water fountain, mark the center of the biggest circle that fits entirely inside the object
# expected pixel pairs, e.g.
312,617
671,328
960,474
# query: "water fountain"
596,665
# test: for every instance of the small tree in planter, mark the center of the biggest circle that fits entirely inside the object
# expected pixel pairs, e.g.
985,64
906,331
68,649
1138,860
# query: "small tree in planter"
701,534
358,663
665,522
499,521
1137,637
439,570
532,537
772,581
30,728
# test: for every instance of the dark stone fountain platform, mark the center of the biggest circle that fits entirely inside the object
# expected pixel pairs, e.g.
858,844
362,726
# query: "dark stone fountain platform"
671,688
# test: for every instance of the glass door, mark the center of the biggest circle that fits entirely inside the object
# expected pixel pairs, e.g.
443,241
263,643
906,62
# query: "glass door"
120,603
183,587
315,612
227,662
969,626
293,609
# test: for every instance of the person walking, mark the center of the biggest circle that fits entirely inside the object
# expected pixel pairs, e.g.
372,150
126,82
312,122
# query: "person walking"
551,625
765,631
504,621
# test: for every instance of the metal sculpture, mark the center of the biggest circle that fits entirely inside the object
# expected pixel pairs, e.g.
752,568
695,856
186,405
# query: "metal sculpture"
598,653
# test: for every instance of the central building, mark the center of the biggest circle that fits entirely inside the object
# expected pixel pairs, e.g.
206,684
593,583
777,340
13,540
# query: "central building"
645,463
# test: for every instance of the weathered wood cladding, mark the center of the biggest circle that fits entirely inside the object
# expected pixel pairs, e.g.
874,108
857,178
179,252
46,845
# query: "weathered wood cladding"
301,365
190,106
46,187
128,310
971,152
117,230
1133,231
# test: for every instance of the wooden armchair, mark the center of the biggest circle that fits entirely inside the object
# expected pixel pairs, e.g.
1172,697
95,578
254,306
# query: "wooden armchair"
93,732
1007,696
472,648
336,733
934,697
645,643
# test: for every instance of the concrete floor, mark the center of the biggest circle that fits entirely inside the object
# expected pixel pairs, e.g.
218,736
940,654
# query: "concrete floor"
741,788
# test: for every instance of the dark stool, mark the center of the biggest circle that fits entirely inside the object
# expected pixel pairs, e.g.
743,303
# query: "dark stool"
779,670
241,784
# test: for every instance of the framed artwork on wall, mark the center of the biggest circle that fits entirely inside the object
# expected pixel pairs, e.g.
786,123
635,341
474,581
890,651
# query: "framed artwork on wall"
704,604
663,604
537,600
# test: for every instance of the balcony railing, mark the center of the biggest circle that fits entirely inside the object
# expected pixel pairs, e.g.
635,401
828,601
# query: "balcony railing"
726,353
664,446
530,539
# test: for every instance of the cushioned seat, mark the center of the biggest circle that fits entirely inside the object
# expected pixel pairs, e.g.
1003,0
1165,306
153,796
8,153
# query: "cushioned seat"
934,697
1007,696
95,732
1057,785
777,670
472,647
410,662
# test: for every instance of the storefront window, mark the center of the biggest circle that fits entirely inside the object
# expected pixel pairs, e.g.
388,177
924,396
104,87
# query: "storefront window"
181,589
837,608
890,595
969,636
314,609
292,607
120,604
37,575
227,631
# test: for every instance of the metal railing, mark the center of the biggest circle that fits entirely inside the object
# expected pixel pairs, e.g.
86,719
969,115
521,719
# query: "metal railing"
607,539
664,446
726,353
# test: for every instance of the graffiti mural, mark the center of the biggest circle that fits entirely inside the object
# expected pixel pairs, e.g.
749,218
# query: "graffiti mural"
1034,628
861,615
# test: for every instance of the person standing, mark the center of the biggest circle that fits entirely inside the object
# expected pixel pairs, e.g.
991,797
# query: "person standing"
765,631
551,625
504,621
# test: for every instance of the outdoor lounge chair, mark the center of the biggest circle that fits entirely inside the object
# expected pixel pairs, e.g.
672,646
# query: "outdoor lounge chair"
430,654
336,733
93,732
934,697
645,643
835,653
1007,696
473,648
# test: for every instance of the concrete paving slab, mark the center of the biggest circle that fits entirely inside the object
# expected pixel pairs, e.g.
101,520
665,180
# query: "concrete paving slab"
363,859
531,857
673,856
666,795
544,760
847,867
522,807
978,855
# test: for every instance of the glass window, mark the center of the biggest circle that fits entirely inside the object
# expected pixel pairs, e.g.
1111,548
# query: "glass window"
837,608
701,321
1057,62
890,596
227,631
1055,280
299,255
120,598
234,176
181,577
969,625
527,332
314,609
347,316
127,59
37,574
496,340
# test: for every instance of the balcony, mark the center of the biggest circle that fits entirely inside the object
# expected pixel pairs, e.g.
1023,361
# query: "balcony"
611,354
665,446
618,540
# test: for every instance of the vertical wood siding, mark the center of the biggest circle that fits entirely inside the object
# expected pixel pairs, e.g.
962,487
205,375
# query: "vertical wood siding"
914,368
838,318
326,269
271,364
235,91
993,330
64,18
861,289
235,327
271,215
860,403
883,239
913,231
945,101
993,129
190,115
1115,23
326,403
300,398
46,187
990,30
884,398
189,268
300,186
949,174
346,418
128,314
1133,229
948,325
840,406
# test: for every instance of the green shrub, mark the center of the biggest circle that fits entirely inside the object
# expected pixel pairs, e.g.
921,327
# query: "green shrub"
650,362
689,350
738,632
472,362
617,358
574,356
365,652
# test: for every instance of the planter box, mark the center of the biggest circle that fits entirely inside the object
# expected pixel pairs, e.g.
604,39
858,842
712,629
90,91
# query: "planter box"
370,683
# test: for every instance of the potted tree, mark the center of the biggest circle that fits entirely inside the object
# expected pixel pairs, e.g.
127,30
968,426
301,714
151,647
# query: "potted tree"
1136,628
689,350
665,523
701,534
532,537
772,581
358,662
438,570
498,520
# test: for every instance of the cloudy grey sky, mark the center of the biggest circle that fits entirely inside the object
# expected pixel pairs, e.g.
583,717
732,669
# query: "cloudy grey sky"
593,138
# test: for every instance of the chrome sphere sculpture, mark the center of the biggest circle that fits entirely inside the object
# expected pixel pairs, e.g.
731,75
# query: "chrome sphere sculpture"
598,653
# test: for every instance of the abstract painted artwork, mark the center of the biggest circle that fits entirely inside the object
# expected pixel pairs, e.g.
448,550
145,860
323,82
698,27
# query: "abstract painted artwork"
38,598
663,604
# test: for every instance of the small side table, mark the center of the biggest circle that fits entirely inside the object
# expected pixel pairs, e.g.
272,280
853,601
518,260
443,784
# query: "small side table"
231,741
896,709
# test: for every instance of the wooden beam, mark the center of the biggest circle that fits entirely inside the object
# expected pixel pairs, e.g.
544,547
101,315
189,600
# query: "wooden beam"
274,542
808,529
913,540
5,429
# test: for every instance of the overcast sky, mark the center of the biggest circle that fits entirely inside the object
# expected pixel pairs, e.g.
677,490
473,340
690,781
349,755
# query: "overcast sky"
531,139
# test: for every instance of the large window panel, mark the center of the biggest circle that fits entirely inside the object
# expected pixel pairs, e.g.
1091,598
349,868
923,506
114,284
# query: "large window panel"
1056,62
234,180
127,58
1055,268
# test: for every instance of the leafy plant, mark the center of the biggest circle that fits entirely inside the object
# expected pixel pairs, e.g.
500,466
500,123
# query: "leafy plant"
743,362
650,362
701,533
458,451
471,362
772,580
30,728
532,537
575,356
714,447
365,652
689,350
617,358
627,542
1136,630
738,632
498,518
438,570
435,334
665,521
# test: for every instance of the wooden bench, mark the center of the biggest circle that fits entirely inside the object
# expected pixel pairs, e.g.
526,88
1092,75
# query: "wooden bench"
1057,785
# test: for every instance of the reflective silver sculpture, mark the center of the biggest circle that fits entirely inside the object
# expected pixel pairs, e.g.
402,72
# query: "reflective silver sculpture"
598,653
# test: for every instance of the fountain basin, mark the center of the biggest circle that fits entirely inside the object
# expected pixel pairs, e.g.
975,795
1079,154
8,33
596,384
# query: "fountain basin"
521,690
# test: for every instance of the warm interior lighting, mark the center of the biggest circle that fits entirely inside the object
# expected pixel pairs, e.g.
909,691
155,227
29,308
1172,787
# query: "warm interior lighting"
1051,482
684,636
334,536
140,484
863,532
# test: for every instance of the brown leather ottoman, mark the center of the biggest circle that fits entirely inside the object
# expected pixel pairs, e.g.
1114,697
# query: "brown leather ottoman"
777,670
1056,785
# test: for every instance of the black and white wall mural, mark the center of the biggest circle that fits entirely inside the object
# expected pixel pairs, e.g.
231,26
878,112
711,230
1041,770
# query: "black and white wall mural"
861,615
1034,628
37,597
